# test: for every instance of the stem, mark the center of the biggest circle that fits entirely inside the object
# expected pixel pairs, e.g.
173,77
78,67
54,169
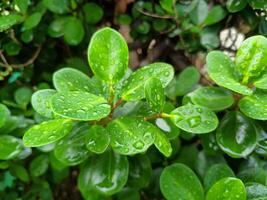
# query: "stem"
152,117
117,104
111,94
245,79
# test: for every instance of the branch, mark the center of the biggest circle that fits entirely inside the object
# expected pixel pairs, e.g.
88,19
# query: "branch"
155,15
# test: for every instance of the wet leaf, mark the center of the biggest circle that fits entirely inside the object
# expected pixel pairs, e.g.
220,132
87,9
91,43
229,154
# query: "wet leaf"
108,55
162,143
98,139
80,106
130,136
41,102
133,88
236,135
47,132
261,82
194,119
178,180
227,188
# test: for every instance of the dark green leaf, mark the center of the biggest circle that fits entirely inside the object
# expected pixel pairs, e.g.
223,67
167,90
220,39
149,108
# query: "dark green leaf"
39,165
258,4
73,31
59,6
216,14
93,13
200,12
235,5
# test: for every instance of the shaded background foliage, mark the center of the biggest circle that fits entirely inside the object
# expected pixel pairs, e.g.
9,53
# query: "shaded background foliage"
39,37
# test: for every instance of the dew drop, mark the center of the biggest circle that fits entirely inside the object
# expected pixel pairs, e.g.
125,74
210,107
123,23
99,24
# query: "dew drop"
139,144
194,121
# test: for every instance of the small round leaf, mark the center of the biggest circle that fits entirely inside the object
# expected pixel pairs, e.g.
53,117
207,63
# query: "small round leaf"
10,147
162,143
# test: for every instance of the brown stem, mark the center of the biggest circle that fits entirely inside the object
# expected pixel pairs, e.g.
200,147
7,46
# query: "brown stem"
155,15
152,117
117,104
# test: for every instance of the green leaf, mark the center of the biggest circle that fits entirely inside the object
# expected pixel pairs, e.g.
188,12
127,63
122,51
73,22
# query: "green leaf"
140,171
58,7
12,48
209,143
80,106
133,88
216,14
98,139
254,106
111,171
178,180
160,25
261,82
10,147
4,114
209,38
227,188
32,21
257,4
162,143
56,27
7,21
256,191
23,96
22,5
69,79
41,102
221,70
47,132
130,136
129,194
213,98
73,31
199,13
194,119
235,5
93,13
251,57
143,28
167,5
39,165
215,173
71,150
253,174
154,93
236,135
108,55
20,172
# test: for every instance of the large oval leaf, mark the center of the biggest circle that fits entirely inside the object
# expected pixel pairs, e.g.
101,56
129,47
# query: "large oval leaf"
227,188
105,174
133,88
251,57
215,173
71,150
4,114
154,93
41,102
236,135
254,106
10,147
178,181
47,132
221,70
97,139
130,136
194,119
80,106
69,79
214,98
108,55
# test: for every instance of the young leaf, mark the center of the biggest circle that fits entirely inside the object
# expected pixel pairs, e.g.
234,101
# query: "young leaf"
251,57
236,135
133,89
41,102
47,132
111,170
221,70
215,173
69,79
10,147
4,114
179,181
154,93
256,191
7,21
216,14
93,13
254,106
130,136
108,55
71,150
227,188
162,143
213,98
98,139
235,5
73,31
80,106
194,119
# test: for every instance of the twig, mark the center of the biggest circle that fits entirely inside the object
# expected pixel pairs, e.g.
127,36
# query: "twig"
18,66
117,104
155,15
153,117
